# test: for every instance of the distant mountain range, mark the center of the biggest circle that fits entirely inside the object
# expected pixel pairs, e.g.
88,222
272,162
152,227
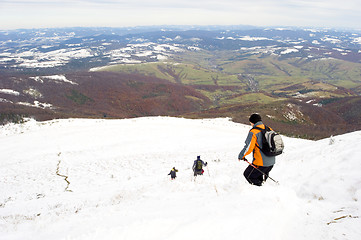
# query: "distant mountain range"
69,49
306,81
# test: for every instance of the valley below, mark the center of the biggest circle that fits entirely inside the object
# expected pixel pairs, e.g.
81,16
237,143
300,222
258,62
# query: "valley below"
305,83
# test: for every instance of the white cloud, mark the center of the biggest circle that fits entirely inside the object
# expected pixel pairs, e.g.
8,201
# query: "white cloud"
57,13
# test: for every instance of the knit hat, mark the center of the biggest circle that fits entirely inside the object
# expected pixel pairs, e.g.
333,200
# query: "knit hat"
198,157
254,118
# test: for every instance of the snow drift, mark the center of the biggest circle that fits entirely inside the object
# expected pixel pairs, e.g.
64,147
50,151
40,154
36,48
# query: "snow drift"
107,179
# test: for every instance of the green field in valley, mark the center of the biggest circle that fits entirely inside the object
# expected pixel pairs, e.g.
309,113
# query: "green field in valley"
249,78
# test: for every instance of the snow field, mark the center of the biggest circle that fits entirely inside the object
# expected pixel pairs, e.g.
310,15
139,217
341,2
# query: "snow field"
119,187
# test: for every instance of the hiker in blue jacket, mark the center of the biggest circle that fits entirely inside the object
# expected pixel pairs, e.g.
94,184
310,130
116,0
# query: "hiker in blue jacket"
198,166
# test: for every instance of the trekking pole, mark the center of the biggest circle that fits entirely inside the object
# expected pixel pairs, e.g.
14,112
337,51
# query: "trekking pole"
215,188
245,159
208,171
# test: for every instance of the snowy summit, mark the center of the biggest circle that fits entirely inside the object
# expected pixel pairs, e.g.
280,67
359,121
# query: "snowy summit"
108,179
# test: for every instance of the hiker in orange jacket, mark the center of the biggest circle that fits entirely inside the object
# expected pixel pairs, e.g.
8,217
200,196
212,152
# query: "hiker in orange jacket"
253,144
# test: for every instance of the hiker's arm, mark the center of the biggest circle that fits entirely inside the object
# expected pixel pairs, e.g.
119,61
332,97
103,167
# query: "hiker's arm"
250,144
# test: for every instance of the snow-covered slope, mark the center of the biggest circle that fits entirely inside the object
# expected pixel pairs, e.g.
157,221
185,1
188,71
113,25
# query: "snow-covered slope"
107,179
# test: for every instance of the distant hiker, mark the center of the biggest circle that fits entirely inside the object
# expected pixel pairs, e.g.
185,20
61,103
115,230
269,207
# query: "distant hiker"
198,166
254,144
172,173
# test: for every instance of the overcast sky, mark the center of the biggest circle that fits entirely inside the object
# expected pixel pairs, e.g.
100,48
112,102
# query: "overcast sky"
121,13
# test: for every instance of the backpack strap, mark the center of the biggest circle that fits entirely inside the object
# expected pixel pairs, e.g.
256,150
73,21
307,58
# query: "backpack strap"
262,131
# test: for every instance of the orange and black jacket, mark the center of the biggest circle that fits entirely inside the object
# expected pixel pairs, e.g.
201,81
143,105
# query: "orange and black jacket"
253,144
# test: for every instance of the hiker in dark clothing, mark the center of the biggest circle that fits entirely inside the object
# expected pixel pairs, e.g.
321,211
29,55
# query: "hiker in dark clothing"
172,173
198,166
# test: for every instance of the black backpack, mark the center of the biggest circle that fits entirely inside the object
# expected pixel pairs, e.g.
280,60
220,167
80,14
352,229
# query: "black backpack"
272,143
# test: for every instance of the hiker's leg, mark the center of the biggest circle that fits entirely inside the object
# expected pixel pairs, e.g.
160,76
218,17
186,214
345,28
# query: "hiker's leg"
266,171
253,176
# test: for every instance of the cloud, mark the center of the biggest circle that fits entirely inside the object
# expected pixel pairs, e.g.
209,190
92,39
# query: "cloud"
43,13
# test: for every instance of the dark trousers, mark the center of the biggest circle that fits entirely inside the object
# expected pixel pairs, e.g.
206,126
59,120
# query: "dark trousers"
198,172
254,176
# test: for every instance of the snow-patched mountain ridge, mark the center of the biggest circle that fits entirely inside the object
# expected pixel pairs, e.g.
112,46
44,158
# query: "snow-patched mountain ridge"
84,48
118,187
